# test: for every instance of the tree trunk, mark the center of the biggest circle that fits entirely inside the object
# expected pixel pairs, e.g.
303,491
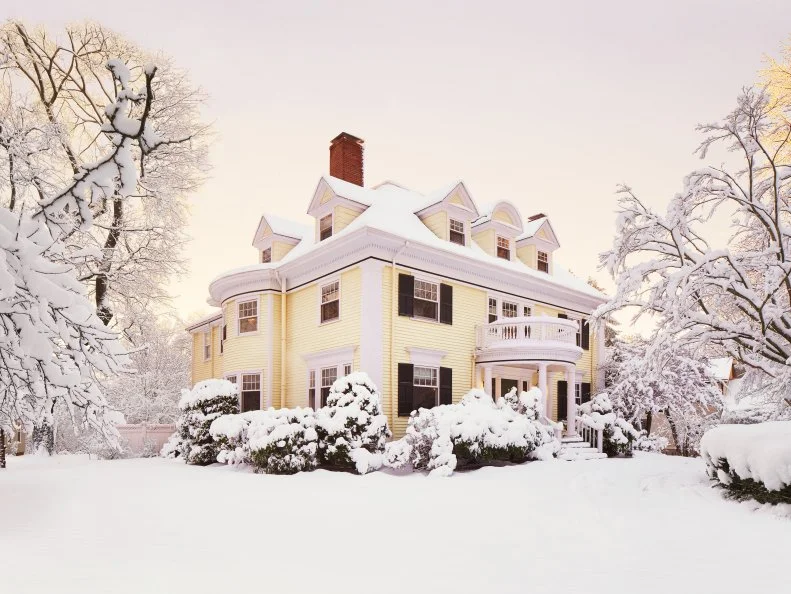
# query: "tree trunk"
674,432
2,449
649,419
103,309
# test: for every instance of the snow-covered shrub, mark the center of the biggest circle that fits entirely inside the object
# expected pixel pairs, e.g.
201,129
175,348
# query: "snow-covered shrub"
473,433
208,400
352,429
231,434
172,447
282,441
650,443
619,434
751,461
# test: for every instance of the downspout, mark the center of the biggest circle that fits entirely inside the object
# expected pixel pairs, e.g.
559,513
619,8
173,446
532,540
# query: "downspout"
393,314
283,314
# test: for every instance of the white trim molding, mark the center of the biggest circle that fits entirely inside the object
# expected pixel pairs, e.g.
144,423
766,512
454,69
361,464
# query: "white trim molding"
426,357
330,357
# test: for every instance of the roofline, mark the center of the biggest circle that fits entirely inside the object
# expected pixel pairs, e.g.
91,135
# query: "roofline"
203,322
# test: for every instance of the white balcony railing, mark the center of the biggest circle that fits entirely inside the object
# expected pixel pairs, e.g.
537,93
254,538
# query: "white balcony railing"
527,331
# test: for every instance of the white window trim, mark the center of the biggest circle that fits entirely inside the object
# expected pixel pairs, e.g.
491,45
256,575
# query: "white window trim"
240,376
497,237
330,358
330,214
464,225
261,255
426,357
500,299
549,260
433,281
437,387
204,344
344,366
323,283
257,316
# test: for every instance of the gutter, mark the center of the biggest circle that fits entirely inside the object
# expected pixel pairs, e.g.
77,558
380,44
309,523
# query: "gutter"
283,314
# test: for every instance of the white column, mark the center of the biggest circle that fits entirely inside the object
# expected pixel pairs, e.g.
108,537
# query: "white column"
487,379
542,385
571,403
599,355
371,321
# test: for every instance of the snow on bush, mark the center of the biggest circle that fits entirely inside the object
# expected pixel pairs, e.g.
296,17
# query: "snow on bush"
208,400
618,433
475,432
282,441
751,461
352,429
650,443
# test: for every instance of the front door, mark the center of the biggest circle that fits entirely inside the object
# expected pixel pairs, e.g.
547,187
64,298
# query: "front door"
506,385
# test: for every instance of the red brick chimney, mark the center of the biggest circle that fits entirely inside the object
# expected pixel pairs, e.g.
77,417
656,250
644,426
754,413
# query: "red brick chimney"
346,158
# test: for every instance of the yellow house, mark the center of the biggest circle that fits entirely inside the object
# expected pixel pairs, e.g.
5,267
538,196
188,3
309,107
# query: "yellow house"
426,293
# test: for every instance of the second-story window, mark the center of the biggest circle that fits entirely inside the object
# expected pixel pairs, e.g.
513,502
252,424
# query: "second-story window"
510,310
528,311
325,227
426,304
266,256
248,317
330,302
543,262
492,310
503,248
457,231
207,345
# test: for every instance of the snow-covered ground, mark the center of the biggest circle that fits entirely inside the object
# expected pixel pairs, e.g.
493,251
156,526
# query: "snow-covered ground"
650,524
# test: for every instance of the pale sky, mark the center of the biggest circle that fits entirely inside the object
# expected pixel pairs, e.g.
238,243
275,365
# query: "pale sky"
547,104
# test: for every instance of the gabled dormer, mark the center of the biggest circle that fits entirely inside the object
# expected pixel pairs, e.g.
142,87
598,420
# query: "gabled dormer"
537,244
449,214
496,231
275,237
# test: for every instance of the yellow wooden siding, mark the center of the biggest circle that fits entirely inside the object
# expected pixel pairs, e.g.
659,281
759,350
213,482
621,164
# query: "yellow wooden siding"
438,223
305,335
503,217
486,241
276,342
201,369
527,254
342,217
280,249
458,340
456,199
326,196
246,352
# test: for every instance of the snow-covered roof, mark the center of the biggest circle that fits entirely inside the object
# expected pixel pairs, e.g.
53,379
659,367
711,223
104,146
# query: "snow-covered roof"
720,368
532,227
392,208
286,227
208,319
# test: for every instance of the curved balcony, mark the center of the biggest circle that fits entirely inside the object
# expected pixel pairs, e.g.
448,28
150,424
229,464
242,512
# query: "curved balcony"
534,338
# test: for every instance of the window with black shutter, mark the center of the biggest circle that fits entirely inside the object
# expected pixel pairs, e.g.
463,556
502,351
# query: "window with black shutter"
446,304
586,335
562,402
405,388
406,294
445,385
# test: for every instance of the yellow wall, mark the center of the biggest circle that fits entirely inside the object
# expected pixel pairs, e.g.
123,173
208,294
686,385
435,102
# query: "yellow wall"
306,336
503,217
458,339
438,223
342,216
527,254
280,249
204,369
486,240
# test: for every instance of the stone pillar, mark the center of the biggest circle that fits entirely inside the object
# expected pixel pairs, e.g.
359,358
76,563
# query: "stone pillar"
542,385
571,402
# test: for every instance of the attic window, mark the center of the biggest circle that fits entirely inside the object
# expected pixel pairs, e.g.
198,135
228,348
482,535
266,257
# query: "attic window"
543,262
457,231
503,248
325,227
266,256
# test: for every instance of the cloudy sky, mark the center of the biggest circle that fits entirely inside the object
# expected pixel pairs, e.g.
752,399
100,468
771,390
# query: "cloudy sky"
547,104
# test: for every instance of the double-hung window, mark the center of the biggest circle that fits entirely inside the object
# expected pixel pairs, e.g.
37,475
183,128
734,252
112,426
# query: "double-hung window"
426,303
223,337
426,387
328,377
347,369
503,248
248,317
325,227
528,311
492,310
578,393
251,391
457,231
543,262
312,389
510,310
207,345
266,256
330,302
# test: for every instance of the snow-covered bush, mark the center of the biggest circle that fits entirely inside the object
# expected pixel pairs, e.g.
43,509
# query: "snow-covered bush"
650,443
282,441
751,461
208,400
473,433
352,429
618,433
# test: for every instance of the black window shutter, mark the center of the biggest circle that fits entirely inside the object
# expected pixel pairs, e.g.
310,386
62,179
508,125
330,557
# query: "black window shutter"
445,385
406,294
586,334
585,392
564,316
405,388
446,304
563,410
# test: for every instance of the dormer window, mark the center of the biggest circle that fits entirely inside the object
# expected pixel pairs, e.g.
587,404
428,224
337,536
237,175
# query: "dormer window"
543,262
457,231
266,256
503,248
325,227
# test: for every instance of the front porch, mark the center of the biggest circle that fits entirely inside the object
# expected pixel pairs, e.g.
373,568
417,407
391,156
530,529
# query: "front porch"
533,351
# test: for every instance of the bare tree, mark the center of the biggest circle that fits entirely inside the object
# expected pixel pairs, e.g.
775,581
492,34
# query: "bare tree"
53,112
